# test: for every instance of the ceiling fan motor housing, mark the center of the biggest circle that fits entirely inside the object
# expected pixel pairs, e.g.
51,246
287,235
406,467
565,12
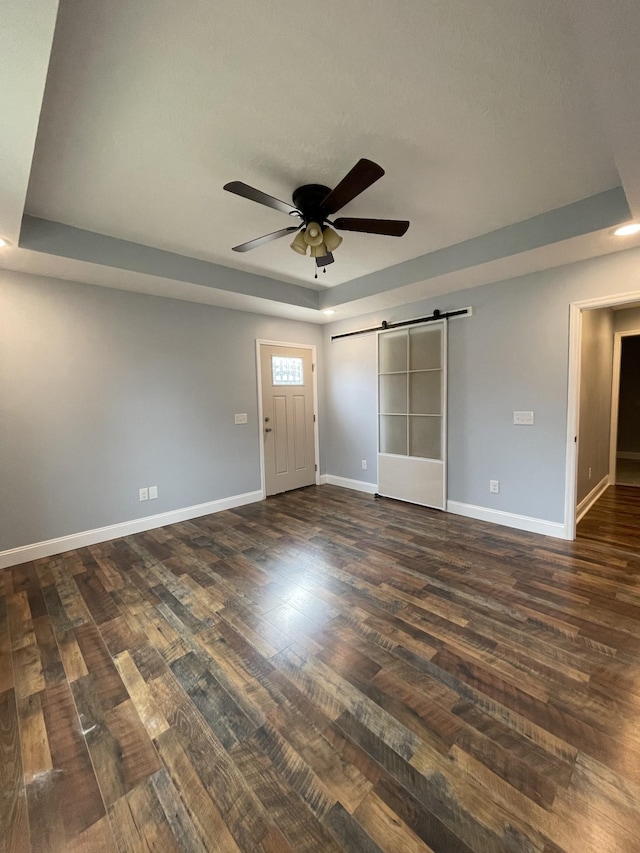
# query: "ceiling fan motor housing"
308,199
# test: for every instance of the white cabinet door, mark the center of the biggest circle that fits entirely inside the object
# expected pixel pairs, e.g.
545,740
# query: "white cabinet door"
412,413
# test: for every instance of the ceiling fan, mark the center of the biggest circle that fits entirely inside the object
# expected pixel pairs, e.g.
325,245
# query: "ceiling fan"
314,204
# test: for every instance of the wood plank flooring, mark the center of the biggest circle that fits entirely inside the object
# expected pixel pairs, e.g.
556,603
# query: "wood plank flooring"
628,472
322,672
614,519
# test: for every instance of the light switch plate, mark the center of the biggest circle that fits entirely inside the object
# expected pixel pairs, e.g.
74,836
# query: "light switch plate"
241,418
523,418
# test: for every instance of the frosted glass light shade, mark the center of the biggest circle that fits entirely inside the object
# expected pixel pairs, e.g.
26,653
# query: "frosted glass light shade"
331,239
318,251
313,234
299,244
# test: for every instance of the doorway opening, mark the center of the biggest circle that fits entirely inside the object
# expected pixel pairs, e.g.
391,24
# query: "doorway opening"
597,329
625,409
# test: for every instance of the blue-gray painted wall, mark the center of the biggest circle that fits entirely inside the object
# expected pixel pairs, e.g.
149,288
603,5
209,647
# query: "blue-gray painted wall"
104,391
510,355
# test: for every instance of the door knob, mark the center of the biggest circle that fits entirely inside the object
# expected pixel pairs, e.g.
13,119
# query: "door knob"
268,429
266,420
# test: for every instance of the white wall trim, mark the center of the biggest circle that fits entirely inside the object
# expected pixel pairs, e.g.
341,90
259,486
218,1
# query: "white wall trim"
24,554
509,519
346,483
573,418
323,480
609,301
586,503
481,513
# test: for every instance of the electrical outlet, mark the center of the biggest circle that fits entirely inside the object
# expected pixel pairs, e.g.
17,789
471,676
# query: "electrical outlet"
144,494
153,493
494,486
364,464
241,418
523,418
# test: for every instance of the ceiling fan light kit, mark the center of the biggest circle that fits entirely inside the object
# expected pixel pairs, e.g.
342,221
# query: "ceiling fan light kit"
314,203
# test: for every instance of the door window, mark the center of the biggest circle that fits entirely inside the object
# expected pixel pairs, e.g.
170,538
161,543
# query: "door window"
286,371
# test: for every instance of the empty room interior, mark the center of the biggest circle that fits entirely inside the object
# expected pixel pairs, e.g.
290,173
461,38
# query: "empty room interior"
320,426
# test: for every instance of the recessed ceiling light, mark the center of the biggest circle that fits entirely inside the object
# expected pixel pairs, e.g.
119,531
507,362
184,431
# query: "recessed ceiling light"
628,229
328,312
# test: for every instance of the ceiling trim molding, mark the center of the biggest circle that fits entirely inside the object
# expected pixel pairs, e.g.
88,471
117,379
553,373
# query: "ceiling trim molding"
54,238
604,210
569,223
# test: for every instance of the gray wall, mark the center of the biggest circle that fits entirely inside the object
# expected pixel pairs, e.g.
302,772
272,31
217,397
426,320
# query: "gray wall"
629,402
595,399
512,354
103,392
351,406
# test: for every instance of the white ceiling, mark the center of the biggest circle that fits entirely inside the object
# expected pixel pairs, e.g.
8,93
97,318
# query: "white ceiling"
482,114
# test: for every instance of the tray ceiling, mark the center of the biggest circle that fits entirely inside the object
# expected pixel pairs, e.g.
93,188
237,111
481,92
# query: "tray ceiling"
482,116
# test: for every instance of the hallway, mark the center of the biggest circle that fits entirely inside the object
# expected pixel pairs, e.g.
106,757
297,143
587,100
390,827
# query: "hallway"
614,520
628,472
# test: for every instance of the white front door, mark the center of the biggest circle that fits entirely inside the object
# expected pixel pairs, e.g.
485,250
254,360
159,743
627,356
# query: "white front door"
288,417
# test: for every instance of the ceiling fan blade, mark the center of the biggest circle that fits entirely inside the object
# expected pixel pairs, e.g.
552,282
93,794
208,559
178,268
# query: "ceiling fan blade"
267,238
253,194
390,227
363,174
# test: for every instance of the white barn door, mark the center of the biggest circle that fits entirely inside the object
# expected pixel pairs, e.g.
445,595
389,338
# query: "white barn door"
412,414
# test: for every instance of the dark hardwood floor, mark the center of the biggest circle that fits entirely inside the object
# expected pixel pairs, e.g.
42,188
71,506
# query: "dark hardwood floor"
614,519
325,672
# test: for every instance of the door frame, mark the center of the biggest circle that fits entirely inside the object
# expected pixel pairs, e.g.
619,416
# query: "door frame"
573,398
314,374
615,398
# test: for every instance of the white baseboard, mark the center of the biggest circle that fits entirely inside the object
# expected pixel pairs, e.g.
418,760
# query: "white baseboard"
322,480
586,503
627,454
509,519
14,556
346,483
